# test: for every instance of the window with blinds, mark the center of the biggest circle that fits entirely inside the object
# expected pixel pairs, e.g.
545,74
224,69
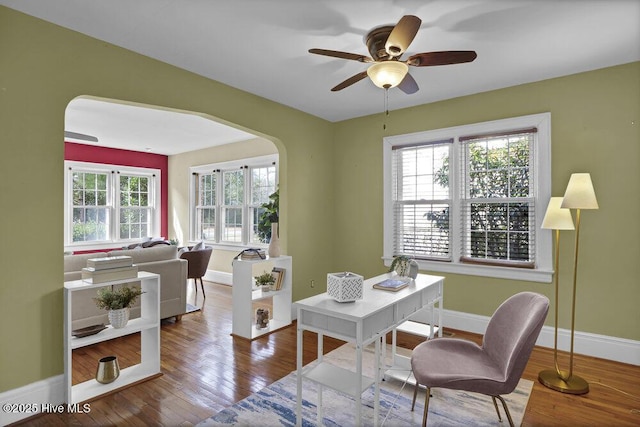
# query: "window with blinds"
421,200
470,199
497,202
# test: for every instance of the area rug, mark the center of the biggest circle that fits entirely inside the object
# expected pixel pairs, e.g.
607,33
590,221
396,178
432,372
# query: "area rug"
275,405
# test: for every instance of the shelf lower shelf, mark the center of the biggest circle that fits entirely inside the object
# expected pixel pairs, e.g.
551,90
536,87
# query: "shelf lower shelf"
417,328
340,379
92,389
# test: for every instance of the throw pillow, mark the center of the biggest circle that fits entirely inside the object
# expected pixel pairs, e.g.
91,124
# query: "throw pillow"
198,246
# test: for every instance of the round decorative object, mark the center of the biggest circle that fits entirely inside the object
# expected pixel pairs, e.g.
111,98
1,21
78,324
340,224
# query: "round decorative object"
262,318
119,318
108,370
274,243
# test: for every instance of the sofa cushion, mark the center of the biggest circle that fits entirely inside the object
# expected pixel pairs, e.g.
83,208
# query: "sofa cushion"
156,253
78,262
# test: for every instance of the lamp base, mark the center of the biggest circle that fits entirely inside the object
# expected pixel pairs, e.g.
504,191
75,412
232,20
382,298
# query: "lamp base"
574,385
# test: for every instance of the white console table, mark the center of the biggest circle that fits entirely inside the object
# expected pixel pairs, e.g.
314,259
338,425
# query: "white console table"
362,322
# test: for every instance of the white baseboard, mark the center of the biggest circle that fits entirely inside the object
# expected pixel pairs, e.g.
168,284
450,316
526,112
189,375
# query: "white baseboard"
31,399
602,346
219,277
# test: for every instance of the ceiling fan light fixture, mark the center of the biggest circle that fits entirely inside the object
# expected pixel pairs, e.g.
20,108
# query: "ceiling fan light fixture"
387,74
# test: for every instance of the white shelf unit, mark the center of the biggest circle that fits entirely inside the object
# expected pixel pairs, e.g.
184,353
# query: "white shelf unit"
244,295
148,325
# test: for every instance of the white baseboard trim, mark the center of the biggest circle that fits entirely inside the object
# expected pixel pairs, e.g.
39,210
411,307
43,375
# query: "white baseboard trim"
31,399
602,346
219,277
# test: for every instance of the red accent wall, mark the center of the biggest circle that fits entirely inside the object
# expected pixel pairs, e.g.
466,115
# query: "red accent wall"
113,156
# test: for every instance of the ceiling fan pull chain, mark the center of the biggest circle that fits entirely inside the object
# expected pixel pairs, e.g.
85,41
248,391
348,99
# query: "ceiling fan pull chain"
386,108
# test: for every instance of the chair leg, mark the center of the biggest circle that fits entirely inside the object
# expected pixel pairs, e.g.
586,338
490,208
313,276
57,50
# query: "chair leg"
202,286
415,394
195,285
506,410
426,407
495,405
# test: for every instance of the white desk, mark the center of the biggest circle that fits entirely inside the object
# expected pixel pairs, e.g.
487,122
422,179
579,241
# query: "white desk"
361,322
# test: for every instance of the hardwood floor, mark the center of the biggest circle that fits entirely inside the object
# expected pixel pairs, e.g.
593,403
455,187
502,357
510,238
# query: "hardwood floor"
205,370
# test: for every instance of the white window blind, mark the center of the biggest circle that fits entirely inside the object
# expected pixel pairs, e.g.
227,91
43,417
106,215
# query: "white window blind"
421,200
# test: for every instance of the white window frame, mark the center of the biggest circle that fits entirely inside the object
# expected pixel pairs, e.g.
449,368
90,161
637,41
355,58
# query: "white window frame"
113,194
543,270
252,162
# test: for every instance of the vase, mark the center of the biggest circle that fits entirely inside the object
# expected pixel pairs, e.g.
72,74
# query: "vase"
119,318
274,243
108,370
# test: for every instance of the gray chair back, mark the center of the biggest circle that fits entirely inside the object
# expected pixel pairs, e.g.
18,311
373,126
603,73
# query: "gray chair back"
512,333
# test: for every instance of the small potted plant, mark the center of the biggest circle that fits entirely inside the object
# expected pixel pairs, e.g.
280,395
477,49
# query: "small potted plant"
118,303
265,281
404,266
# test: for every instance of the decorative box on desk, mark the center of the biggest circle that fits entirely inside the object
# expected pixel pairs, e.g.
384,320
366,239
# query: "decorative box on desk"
345,287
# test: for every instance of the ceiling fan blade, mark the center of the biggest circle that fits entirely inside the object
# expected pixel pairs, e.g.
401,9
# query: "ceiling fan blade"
408,85
402,35
351,80
447,57
81,136
342,55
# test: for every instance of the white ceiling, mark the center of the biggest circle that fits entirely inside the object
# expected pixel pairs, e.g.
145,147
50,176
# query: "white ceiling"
261,46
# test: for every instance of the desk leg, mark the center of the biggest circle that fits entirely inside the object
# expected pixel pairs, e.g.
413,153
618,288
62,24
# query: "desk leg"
320,356
376,398
299,379
358,407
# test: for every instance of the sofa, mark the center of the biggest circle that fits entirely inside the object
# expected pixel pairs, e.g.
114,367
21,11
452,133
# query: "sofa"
160,259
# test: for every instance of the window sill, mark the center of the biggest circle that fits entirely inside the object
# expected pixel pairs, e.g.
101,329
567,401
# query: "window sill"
531,275
231,246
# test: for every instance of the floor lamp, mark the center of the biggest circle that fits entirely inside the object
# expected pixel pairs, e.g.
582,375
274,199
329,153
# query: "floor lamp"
578,195
555,218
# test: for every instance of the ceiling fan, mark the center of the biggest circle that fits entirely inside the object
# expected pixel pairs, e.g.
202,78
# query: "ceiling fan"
386,45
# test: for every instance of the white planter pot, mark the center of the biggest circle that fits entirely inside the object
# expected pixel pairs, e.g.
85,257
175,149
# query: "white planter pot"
119,318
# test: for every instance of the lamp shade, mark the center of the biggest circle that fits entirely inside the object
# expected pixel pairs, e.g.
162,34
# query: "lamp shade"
387,74
579,193
557,218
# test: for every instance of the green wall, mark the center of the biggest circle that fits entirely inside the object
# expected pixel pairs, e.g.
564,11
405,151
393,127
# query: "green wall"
595,121
42,68
331,179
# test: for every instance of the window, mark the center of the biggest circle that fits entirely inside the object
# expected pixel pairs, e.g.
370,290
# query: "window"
227,200
471,199
108,204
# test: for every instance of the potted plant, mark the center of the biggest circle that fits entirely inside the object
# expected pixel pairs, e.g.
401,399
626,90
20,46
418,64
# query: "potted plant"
118,303
404,266
265,281
268,224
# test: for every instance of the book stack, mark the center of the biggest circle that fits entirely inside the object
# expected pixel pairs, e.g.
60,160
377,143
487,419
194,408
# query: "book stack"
100,270
253,254
393,285
278,274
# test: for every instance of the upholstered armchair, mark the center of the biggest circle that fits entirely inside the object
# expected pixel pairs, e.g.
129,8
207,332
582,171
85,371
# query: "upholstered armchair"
198,261
495,367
